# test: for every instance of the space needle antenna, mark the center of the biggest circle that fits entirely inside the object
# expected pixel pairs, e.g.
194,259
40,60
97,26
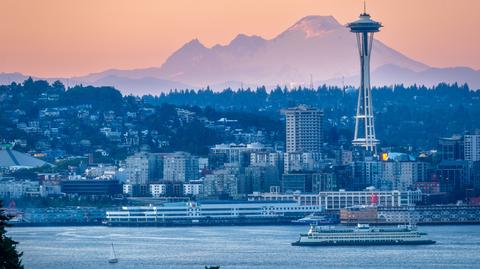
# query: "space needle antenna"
364,7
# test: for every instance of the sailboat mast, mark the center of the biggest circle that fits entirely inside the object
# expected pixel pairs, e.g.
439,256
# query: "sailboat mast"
113,251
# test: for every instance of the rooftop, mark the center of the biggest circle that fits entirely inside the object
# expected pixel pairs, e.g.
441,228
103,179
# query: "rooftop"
14,159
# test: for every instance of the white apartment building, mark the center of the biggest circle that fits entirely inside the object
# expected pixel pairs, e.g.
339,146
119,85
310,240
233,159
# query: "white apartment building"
195,189
157,189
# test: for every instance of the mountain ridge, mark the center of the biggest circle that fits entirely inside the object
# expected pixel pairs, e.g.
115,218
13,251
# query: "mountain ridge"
314,46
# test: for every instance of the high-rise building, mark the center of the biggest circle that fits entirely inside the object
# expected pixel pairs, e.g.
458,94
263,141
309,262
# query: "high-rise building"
180,166
260,179
471,147
454,177
138,168
451,148
304,130
142,168
223,183
364,174
364,136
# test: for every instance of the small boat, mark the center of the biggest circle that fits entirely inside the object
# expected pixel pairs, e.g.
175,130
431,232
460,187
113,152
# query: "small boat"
113,256
318,219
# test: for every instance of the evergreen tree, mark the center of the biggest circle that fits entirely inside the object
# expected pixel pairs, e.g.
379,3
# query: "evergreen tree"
10,258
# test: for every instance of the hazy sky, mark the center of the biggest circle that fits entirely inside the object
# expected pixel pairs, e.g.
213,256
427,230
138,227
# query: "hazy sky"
66,38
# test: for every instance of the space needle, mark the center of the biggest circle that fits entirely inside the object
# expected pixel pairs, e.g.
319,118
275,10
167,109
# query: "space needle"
364,136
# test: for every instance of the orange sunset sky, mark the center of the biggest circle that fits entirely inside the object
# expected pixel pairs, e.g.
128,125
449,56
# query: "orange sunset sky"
68,38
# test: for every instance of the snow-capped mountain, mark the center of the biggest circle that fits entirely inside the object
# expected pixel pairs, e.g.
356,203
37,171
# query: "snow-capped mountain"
317,47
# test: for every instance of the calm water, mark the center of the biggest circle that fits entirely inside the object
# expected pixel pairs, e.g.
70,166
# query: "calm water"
234,247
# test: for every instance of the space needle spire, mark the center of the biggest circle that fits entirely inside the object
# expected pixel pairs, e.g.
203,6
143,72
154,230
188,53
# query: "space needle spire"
364,136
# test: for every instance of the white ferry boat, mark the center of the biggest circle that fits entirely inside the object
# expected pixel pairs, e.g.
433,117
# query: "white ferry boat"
362,235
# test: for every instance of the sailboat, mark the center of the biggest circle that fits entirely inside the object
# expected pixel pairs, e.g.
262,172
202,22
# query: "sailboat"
113,257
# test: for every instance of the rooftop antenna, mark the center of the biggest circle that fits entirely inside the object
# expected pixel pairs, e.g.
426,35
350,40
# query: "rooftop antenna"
364,7
311,82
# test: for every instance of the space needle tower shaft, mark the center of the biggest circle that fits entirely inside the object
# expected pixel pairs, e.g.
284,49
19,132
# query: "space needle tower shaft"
364,136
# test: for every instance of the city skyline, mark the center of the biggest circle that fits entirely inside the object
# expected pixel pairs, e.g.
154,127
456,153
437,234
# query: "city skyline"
266,116
125,35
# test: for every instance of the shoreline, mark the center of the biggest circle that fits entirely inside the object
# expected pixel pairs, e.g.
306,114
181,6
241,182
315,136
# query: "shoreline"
225,225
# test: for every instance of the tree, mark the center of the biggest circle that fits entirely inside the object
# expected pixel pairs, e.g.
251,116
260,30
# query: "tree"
10,258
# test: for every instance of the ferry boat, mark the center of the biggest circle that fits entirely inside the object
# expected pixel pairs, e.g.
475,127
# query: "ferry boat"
362,235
